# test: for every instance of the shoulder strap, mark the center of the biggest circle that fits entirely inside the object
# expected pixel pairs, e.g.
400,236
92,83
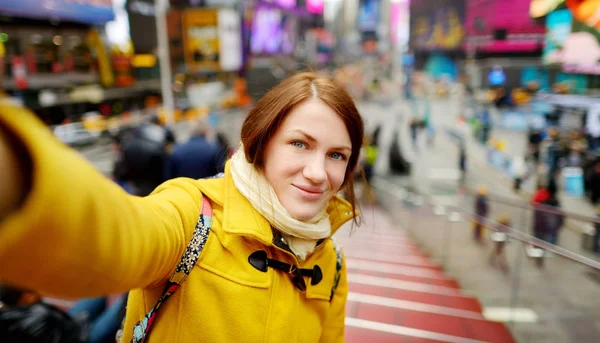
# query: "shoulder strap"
338,266
183,269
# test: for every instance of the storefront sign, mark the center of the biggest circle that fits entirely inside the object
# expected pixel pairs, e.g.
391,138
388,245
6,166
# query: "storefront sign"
142,25
201,39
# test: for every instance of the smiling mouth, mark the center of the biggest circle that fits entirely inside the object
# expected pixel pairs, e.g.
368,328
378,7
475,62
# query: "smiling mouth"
310,191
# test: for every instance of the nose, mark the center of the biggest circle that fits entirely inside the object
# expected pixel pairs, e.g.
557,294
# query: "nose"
314,170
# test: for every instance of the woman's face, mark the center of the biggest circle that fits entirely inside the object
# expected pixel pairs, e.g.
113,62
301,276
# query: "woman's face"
306,159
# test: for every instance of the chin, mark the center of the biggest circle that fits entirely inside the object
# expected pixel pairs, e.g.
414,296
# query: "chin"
303,216
304,213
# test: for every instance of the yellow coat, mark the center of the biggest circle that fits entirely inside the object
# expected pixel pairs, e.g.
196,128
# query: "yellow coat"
78,234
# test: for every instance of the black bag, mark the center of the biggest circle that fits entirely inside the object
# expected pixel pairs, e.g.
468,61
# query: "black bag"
39,323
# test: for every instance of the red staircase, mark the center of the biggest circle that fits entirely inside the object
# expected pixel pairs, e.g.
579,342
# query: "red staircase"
398,295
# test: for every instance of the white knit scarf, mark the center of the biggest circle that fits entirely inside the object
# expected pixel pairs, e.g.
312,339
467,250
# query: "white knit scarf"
301,236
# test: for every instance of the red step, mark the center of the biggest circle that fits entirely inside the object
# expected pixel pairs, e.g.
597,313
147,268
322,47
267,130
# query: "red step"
420,262
396,294
478,329
444,282
457,301
402,250
361,335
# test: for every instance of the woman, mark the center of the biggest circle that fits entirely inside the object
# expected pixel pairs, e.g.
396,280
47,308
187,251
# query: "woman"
73,233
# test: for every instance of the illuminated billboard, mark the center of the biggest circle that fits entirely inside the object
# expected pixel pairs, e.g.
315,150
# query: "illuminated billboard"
573,37
436,25
501,26
83,11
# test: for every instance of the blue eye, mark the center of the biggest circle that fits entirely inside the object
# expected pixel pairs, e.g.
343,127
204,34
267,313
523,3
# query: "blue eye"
298,144
338,156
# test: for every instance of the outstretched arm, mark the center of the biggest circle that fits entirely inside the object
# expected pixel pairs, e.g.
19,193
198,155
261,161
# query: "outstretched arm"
68,231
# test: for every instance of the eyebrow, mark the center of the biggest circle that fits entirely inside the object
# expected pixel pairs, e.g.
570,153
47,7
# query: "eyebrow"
313,139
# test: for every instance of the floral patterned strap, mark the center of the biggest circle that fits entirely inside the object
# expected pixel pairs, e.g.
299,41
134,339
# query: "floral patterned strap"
183,269
339,259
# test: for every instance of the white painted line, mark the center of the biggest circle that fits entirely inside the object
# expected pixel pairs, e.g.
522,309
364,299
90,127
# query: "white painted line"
406,331
367,237
367,255
404,285
382,234
413,306
384,243
394,269
506,314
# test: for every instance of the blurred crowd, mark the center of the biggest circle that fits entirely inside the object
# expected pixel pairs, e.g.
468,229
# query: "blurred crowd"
148,155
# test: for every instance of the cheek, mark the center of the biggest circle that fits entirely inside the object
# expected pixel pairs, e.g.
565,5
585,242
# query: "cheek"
336,174
281,166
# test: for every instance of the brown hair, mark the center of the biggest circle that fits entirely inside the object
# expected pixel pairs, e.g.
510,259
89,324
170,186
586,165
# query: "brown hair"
270,111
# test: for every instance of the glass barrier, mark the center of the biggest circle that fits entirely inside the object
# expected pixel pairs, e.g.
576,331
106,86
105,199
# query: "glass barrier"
567,230
543,292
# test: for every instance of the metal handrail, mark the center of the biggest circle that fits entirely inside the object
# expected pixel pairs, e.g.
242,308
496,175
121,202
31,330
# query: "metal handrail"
493,225
538,207
418,200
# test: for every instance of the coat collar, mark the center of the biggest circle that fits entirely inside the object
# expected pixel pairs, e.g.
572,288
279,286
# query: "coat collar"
239,217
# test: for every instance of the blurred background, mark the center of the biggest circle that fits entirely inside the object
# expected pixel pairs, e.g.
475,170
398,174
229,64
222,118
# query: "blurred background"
483,121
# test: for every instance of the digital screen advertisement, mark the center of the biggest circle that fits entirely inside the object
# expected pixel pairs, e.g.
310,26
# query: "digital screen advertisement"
437,26
573,39
272,32
83,11
500,26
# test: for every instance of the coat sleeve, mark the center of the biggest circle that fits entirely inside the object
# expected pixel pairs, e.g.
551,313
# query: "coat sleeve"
333,329
78,234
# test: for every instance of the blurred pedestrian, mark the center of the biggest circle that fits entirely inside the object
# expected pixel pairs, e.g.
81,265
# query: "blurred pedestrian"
102,316
141,157
481,212
541,194
553,220
552,153
540,197
534,140
462,162
369,153
500,238
415,127
197,158
594,182
169,135
226,150
519,172
24,317
597,231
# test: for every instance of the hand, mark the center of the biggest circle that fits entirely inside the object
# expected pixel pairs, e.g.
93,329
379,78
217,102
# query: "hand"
15,173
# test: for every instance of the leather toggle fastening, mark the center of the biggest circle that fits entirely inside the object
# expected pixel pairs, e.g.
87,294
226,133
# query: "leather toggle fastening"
260,261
